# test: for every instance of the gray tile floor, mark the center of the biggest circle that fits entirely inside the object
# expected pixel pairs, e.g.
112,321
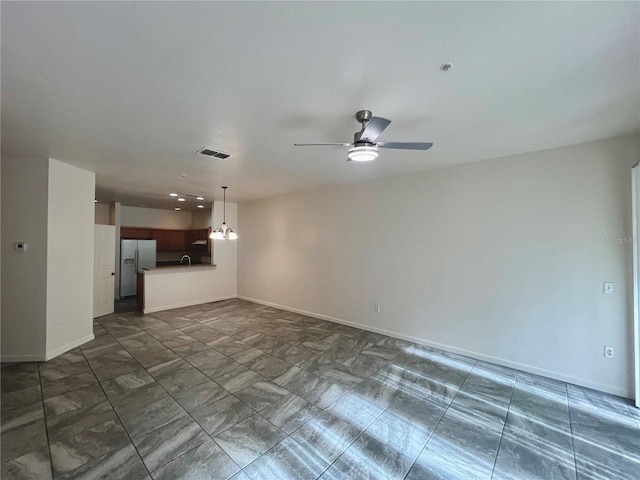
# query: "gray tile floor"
238,390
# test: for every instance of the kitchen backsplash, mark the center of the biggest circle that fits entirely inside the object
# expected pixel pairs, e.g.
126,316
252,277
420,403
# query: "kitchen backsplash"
171,256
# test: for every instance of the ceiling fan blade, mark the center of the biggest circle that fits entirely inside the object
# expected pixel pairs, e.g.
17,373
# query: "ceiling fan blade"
374,128
406,145
321,144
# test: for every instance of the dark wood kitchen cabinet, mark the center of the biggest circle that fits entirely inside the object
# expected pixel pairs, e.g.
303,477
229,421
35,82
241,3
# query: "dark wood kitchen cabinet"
136,233
176,240
171,240
127,232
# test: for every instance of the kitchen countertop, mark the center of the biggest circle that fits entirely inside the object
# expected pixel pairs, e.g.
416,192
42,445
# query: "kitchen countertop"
178,268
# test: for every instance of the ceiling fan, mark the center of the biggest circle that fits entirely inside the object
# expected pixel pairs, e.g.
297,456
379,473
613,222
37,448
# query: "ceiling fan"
365,147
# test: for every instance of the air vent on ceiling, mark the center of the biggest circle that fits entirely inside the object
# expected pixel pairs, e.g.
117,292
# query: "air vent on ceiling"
209,152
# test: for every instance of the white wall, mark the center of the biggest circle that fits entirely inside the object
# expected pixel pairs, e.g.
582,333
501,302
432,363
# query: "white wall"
201,218
24,278
501,259
102,214
155,218
70,245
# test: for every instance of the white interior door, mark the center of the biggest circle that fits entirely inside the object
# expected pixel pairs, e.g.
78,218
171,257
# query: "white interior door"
104,268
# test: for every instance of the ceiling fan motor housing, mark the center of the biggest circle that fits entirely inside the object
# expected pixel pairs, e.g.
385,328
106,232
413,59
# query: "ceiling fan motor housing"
363,116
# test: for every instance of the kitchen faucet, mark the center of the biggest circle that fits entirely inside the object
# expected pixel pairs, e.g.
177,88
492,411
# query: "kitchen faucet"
188,258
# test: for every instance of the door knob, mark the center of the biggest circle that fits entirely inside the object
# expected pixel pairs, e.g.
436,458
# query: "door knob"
113,273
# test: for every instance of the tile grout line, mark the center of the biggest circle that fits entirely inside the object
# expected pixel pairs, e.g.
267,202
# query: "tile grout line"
44,414
188,413
172,397
321,410
330,464
573,443
114,410
241,469
107,332
440,419
288,435
504,426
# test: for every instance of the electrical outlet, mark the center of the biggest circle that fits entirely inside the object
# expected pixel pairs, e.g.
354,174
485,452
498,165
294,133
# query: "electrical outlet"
607,287
377,308
609,352
57,324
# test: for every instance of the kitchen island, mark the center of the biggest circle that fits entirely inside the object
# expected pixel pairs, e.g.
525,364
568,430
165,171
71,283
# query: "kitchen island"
164,288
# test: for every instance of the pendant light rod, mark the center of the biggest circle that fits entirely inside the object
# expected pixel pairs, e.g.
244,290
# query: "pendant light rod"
224,232
224,205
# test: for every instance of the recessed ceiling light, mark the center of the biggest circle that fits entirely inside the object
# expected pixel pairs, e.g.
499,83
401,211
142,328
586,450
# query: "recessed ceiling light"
181,199
173,194
177,208
199,197
200,206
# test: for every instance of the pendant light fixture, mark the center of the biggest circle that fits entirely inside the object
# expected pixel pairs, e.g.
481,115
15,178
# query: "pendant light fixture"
224,232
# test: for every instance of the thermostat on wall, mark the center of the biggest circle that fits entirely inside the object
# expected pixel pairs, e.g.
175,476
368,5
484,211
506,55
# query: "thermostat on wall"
21,246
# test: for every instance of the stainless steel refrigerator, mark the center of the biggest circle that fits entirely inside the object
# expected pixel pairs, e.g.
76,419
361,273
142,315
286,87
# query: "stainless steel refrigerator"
134,256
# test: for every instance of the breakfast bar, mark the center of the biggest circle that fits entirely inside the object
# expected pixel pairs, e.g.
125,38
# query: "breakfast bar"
164,288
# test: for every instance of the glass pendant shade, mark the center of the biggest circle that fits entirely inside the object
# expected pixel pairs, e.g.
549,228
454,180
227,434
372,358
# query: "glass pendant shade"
217,234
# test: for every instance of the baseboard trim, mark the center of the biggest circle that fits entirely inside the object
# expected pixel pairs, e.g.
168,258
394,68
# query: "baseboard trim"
187,304
468,353
28,357
68,346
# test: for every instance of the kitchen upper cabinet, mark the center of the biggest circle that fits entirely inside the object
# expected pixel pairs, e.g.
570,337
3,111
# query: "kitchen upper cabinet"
177,240
202,234
136,233
127,232
189,238
171,240
163,242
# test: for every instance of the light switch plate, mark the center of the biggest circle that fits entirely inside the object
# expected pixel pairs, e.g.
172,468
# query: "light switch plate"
607,287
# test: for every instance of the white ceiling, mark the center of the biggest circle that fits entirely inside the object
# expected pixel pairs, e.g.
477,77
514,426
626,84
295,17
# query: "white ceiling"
131,90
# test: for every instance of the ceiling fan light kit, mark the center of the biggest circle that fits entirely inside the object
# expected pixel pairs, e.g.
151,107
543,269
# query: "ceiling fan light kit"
363,153
365,147
224,232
